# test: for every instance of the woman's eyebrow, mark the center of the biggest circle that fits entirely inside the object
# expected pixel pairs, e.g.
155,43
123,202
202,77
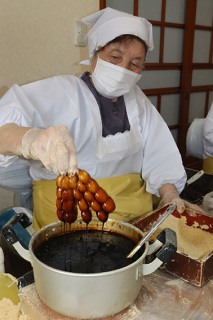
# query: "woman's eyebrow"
117,49
138,58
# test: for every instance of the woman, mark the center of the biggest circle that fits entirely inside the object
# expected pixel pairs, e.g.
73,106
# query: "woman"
200,140
208,142
101,122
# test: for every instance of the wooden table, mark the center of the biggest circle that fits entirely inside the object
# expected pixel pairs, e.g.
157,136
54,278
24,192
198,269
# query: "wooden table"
162,297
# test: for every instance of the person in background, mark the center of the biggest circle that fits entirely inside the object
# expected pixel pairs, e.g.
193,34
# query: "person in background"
200,144
100,122
208,142
200,140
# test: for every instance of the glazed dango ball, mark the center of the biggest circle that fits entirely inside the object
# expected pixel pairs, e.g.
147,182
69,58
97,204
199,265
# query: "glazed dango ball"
92,186
109,205
70,218
82,191
89,196
84,176
102,216
86,216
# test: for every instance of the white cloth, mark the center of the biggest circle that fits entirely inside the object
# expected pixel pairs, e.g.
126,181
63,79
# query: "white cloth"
113,81
108,24
194,138
208,135
148,148
199,139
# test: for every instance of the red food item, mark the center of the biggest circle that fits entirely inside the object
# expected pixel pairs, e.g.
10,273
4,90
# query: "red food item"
102,216
59,204
67,194
101,195
88,196
92,186
60,215
77,194
59,193
81,189
95,205
81,186
58,181
69,205
86,216
84,176
109,205
70,217
65,182
83,205
72,181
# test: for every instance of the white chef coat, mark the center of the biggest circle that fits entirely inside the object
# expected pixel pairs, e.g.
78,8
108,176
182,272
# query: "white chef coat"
208,135
148,148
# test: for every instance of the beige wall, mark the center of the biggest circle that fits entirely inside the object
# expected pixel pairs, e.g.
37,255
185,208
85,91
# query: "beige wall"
37,39
37,42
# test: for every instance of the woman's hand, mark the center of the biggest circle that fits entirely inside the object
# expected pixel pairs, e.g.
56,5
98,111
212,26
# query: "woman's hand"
169,194
53,146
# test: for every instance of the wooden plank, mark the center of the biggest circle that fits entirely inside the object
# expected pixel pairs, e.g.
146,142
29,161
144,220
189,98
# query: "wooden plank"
193,163
202,65
159,103
135,7
162,66
162,32
102,4
207,28
158,91
206,103
186,77
202,88
167,24
174,126
211,47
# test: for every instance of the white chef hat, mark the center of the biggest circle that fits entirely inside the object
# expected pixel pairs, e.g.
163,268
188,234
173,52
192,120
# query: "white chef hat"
108,24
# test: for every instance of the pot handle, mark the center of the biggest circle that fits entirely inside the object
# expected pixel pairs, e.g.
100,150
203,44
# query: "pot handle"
26,280
13,238
169,239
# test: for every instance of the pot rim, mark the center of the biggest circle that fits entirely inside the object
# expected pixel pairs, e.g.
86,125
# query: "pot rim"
87,275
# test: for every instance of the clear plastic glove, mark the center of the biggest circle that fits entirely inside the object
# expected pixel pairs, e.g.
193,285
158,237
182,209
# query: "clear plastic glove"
53,146
208,202
173,198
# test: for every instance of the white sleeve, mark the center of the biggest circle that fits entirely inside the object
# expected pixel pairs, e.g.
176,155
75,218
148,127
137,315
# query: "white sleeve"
162,161
208,135
39,104
11,113
8,114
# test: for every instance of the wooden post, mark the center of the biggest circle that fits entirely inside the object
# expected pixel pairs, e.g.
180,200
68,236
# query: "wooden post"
102,4
186,77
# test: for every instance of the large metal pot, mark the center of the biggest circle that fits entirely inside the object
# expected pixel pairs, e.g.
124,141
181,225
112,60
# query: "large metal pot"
98,294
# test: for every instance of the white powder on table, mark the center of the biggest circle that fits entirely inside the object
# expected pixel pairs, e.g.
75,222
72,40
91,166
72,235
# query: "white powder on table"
194,242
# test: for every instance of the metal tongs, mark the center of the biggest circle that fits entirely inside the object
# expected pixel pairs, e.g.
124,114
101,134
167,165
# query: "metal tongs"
154,227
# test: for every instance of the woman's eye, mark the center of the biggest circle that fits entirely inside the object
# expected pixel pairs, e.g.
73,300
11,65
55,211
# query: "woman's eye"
135,65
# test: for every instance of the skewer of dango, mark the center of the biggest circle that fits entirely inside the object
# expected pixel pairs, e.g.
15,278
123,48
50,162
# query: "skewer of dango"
82,191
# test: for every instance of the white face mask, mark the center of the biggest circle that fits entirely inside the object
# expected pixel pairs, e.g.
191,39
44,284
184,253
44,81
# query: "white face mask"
113,81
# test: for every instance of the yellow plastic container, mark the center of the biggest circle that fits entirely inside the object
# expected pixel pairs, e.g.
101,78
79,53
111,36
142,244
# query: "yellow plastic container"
9,288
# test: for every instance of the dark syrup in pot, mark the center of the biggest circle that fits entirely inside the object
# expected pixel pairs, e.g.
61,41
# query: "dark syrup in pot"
87,251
